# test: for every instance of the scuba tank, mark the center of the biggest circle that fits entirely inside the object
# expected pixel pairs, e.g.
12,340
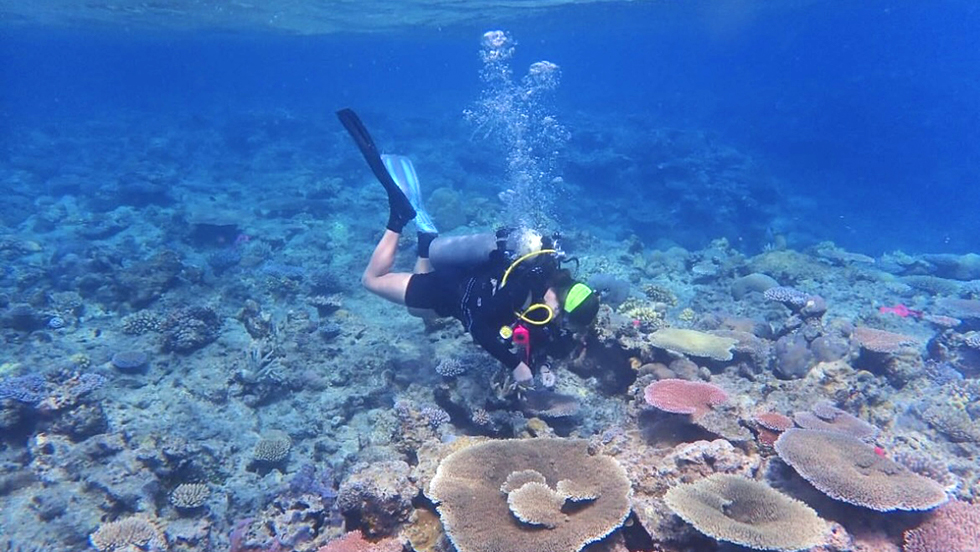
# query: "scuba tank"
459,252
472,250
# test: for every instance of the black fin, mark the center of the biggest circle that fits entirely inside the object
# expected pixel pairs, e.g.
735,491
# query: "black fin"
401,208
362,138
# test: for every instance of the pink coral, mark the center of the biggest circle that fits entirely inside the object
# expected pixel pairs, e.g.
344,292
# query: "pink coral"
684,397
355,542
954,527
773,421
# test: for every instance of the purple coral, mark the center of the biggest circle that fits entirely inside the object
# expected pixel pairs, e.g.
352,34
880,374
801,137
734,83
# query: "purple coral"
86,383
309,480
236,538
26,389
450,367
434,416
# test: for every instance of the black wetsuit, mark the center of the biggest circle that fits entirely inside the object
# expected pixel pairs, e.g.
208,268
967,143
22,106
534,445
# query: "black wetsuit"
476,299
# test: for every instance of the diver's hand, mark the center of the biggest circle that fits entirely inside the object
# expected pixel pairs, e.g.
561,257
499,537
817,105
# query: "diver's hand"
522,375
548,379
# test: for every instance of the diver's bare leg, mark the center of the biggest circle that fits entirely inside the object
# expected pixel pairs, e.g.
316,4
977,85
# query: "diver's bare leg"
378,278
422,266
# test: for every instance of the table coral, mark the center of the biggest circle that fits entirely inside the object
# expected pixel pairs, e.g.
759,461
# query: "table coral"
744,511
825,416
881,341
482,511
847,469
693,343
684,397
653,471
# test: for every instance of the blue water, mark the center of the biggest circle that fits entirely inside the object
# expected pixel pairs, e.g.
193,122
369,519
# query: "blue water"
865,116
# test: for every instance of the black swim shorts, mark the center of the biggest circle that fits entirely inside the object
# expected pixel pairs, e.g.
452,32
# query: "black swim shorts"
433,290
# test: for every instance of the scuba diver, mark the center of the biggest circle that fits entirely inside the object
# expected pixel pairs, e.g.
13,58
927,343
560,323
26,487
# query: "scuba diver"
507,288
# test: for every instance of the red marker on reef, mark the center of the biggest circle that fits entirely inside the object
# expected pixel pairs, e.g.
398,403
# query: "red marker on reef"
880,451
901,310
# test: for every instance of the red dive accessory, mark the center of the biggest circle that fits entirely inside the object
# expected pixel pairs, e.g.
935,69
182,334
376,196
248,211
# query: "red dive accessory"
522,338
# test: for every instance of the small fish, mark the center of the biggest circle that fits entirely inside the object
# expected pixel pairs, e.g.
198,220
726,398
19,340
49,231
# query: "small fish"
901,310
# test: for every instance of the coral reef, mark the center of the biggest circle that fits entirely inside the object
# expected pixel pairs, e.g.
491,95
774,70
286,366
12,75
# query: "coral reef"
355,542
752,283
132,533
483,508
191,365
188,329
737,509
793,357
847,469
188,496
654,471
693,343
953,526
684,397
379,496
129,361
549,404
272,448
825,416
881,341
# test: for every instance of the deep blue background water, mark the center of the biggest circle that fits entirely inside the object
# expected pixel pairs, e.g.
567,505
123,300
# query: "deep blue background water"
868,112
